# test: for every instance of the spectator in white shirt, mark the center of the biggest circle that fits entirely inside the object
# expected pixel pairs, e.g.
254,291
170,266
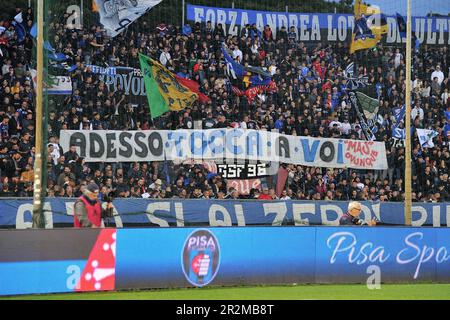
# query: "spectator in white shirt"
165,57
345,127
445,96
417,111
237,54
425,90
398,58
6,66
439,74
284,195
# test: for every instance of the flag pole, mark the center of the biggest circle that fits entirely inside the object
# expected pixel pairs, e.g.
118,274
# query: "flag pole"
38,221
182,13
408,118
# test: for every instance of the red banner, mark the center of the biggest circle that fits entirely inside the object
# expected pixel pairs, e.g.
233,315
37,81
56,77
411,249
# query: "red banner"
244,186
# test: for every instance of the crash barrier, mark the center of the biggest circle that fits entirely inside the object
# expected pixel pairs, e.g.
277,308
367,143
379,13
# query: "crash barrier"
58,212
71,260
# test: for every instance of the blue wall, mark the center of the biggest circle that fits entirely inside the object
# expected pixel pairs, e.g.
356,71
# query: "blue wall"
176,212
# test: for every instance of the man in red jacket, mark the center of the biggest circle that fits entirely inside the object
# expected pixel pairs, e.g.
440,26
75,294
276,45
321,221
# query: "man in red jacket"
265,195
88,211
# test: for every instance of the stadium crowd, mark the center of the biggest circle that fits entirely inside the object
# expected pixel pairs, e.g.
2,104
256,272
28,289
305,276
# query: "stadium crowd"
311,101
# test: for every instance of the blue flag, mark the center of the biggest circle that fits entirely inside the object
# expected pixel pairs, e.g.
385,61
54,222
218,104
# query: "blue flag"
187,30
59,57
401,25
63,65
166,171
417,44
19,28
234,68
20,31
399,114
398,133
33,31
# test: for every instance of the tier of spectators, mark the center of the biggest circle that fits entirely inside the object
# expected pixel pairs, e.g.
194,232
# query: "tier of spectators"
311,101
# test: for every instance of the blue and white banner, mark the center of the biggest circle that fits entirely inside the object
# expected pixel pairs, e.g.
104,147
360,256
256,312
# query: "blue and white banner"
426,137
108,70
317,26
58,85
180,212
398,133
126,79
116,15
237,144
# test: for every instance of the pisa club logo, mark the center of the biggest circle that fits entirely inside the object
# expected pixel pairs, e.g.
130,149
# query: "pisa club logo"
200,257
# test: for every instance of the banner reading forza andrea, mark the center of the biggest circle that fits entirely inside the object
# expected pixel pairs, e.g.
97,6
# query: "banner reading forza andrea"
317,26
160,145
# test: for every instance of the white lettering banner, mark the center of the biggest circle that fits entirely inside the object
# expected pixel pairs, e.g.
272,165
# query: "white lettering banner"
239,144
317,26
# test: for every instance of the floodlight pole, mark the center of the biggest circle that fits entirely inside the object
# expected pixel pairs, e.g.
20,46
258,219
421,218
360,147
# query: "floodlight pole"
408,118
38,221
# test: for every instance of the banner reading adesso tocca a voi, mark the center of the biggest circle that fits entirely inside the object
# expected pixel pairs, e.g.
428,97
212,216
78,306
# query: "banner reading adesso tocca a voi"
160,145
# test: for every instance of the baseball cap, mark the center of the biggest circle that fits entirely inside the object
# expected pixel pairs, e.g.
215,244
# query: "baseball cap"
92,187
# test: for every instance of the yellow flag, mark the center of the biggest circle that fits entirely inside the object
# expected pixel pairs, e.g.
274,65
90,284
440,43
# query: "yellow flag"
94,6
176,96
370,25
164,91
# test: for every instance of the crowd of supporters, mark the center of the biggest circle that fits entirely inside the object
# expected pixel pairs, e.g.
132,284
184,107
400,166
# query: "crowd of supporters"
311,101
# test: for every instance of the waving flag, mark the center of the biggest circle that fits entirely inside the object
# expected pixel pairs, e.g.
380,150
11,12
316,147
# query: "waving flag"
62,65
252,76
349,71
58,57
194,87
398,133
353,82
369,105
370,25
164,91
52,54
256,80
116,15
234,69
19,27
426,137
370,108
399,114
252,92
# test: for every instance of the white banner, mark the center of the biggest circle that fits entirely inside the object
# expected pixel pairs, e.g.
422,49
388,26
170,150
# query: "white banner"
238,144
116,15
59,84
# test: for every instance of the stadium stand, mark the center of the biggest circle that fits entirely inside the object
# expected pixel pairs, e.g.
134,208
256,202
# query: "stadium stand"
310,101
